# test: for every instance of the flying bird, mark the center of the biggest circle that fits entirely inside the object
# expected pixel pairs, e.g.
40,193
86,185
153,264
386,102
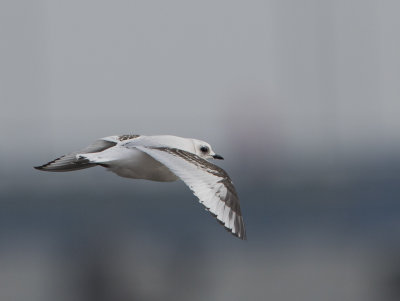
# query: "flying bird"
163,158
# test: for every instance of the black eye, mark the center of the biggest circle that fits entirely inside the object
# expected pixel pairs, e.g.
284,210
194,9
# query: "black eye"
204,149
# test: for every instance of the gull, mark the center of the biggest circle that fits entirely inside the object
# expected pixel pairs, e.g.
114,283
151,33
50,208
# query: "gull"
163,158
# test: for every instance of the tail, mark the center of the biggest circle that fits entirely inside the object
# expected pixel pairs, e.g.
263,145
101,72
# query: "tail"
68,162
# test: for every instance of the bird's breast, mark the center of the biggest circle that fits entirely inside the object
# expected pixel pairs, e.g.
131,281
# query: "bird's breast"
138,165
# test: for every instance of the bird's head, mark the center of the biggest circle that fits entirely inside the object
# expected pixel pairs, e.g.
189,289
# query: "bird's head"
204,150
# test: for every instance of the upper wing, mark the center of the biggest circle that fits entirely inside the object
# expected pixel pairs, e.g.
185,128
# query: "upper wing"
208,182
69,162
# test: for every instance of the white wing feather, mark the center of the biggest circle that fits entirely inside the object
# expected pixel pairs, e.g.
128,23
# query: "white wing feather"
208,182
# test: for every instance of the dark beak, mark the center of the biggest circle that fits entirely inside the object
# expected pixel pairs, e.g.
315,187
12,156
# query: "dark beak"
218,157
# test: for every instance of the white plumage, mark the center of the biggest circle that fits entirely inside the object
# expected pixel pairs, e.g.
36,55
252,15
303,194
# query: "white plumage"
164,158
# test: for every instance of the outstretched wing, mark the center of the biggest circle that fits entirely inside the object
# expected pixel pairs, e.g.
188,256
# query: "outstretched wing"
69,162
208,182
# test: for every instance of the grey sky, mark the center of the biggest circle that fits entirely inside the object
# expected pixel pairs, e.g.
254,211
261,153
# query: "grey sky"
307,78
278,87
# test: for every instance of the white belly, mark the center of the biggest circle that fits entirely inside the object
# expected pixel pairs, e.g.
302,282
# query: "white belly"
148,169
132,163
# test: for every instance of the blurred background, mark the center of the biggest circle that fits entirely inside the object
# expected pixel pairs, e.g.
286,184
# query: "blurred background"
300,97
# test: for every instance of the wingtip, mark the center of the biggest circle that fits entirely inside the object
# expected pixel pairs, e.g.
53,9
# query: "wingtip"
243,234
240,235
38,167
